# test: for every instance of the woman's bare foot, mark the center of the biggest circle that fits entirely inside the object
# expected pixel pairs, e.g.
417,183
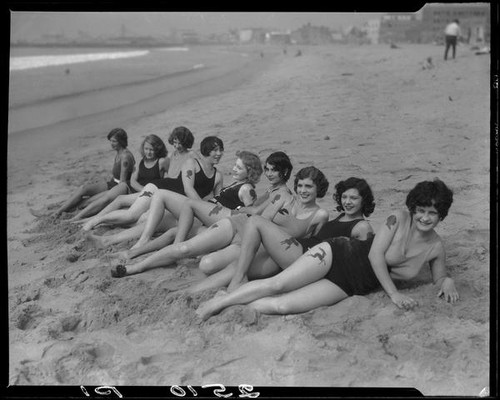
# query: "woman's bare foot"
210,307
89,225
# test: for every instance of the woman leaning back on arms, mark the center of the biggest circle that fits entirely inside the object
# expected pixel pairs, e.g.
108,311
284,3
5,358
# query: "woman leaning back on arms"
342,267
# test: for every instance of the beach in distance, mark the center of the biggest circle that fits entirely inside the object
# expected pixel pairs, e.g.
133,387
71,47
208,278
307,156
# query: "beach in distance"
368,111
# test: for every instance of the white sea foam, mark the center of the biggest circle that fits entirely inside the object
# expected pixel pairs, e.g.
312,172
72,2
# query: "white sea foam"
28,62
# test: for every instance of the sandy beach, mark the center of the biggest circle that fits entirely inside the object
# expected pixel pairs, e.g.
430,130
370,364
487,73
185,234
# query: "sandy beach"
367,111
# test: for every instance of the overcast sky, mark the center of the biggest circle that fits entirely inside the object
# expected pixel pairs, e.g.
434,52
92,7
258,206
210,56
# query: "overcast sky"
26,25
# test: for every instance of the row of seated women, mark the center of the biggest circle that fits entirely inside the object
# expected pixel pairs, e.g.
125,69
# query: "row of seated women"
277,251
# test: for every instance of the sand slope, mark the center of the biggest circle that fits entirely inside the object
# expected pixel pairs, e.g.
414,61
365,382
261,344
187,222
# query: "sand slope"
367,111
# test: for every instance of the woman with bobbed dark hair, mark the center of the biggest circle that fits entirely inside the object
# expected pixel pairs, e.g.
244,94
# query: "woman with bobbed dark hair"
364,190
181,136
123,167
342,267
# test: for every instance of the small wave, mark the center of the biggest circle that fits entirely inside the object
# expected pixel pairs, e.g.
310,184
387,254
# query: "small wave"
29,62
174,49
198,66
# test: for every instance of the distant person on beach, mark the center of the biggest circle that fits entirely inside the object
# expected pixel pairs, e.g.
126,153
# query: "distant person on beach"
452,33
123,167
198,179
182,139
153,165
355,202
241,193
300,216
343,267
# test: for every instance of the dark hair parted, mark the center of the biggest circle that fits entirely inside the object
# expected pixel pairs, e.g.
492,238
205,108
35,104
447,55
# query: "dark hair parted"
158,146
183,135
316,176
209,144
120,135
282,163
430,193
252,164
364,190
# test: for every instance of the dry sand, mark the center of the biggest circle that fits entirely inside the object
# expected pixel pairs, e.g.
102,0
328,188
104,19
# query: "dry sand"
367,111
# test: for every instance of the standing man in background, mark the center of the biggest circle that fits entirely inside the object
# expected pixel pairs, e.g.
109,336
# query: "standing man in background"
452,32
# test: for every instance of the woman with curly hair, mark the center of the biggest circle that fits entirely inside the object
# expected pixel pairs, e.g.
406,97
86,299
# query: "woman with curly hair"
153,165
279,249
121,173
340,267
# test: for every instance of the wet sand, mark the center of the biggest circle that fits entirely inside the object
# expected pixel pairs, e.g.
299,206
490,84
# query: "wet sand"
368,111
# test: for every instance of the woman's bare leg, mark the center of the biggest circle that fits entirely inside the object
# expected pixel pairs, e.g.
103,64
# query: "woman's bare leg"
217,236
122,217
317,294
162,200
127,234
97,205
282,248
309,268
77,196
208,213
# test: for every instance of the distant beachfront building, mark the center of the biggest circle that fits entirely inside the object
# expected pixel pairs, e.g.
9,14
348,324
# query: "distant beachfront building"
372,29
400,27
474,21
280,38
309,34
252,35
427,25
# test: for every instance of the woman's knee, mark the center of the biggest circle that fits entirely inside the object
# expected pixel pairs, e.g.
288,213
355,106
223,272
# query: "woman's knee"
208,264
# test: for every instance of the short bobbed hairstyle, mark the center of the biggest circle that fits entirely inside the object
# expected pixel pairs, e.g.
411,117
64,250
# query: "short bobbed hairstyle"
364,190
183,135
209,144
318,178
430,193
158,145
282,163
120,135
252,164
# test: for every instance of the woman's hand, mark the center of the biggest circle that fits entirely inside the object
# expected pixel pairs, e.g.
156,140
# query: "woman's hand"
403,301
448,291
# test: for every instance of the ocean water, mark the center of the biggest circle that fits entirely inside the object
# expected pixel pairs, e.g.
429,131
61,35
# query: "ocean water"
47,85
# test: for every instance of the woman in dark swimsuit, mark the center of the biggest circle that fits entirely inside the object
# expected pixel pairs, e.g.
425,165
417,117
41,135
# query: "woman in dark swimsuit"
153,165
121,172
280,249
182,140
342,267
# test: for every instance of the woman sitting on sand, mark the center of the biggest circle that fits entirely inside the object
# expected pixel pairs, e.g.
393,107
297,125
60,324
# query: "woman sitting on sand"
198,179
153,165
240,193
182,140
298,215
279,250
342,267
121,172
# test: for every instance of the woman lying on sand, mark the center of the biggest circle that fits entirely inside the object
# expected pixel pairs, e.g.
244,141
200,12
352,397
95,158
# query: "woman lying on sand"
342,267
241,192
182,140
198,179
122,170
153,165
298,215
279,250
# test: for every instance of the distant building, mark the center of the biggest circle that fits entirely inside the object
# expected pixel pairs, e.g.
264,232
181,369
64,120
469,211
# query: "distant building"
474,21
252,35
399,27
372,28
280,38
